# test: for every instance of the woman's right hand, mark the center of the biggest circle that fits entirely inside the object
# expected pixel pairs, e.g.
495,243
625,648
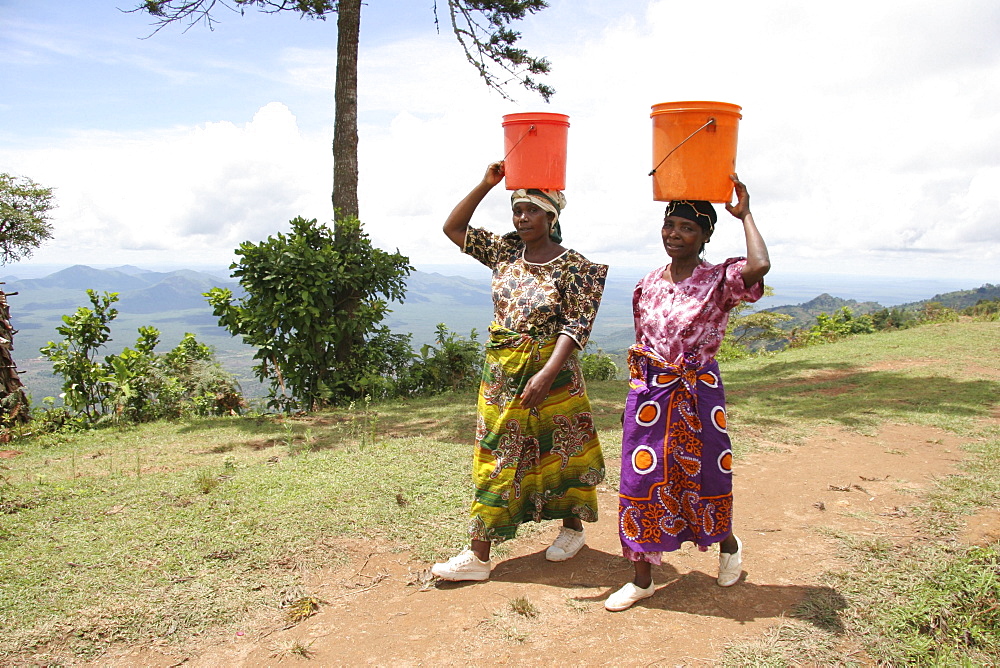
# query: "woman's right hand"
494,173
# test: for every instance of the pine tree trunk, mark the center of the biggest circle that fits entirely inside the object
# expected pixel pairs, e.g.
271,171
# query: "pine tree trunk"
345,126
345,156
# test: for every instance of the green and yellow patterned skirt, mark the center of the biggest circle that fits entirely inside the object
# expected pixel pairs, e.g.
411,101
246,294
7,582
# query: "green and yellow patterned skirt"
538,464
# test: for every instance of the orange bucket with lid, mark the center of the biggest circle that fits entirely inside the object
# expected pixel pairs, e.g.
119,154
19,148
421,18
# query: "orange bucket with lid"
535,150
694,150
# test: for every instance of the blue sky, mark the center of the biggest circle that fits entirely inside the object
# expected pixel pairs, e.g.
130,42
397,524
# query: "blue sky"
870,137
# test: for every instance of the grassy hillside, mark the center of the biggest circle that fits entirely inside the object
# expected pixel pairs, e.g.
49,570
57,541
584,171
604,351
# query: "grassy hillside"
166,530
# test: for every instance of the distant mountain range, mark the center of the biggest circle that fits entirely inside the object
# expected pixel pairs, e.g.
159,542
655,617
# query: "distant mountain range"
804,315
173,303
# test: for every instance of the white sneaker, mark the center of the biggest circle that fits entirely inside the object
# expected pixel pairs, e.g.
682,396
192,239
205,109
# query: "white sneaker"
566,545
463,566
627,595
731,566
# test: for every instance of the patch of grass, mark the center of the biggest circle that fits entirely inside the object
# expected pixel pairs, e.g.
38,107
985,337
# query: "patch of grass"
791,643
499,626
797,388
978,485
512,635
294,648
928,604
822,607
205,482
578,606
933,602
524,607
303,608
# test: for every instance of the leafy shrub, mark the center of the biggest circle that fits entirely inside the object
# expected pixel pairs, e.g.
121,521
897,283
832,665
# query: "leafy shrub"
984,309
86,382
200,384
832,328
751,331
137,384
894,318
135,380
455,363
388,359
598,366
935,312
730,350
314,300
395,370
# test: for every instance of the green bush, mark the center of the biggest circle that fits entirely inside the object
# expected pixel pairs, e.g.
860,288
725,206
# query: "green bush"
86,382
135,385
935,312
199,384
314,302
894,318
453,364
750,331
598,366
395,370
984,309
829,328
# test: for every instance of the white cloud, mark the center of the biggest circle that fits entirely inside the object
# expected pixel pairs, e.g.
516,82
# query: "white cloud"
194,192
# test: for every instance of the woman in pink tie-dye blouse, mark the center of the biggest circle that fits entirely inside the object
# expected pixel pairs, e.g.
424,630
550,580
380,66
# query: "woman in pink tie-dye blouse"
676,472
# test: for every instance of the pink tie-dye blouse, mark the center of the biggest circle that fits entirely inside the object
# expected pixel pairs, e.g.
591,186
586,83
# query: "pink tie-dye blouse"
690,316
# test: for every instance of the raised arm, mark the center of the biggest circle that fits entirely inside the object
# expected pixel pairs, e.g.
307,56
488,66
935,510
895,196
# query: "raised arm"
458,220
758,261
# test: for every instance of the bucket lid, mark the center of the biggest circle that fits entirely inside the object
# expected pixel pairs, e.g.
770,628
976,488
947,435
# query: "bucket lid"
687,106
536,117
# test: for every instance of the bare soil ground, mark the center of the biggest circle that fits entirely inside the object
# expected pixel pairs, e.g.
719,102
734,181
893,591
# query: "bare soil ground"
381,610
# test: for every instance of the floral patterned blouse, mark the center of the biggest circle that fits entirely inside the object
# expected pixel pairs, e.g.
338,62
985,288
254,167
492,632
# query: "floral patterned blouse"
560,296
690,316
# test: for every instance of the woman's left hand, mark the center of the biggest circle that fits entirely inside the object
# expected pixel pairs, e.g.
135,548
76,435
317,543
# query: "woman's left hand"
742,206
536,390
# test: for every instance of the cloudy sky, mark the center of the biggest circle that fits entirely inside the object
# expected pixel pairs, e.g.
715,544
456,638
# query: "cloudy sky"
870,138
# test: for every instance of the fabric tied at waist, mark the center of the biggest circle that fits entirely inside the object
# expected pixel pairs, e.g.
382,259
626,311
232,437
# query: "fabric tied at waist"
646,367
501,337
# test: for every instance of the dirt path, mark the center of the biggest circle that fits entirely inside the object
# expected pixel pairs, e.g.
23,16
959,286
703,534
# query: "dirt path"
377,612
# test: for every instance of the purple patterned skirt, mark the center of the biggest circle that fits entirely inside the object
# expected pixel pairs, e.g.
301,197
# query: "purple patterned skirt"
676,478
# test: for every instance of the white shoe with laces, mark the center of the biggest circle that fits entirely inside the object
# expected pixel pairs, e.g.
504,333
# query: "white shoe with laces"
627,595
463,566
731,566
566,544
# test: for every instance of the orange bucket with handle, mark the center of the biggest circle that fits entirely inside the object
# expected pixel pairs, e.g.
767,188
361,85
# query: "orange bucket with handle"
694,150
535,150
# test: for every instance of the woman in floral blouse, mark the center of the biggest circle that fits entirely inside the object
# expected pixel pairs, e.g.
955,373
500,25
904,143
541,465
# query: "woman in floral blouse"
537,456
676,476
